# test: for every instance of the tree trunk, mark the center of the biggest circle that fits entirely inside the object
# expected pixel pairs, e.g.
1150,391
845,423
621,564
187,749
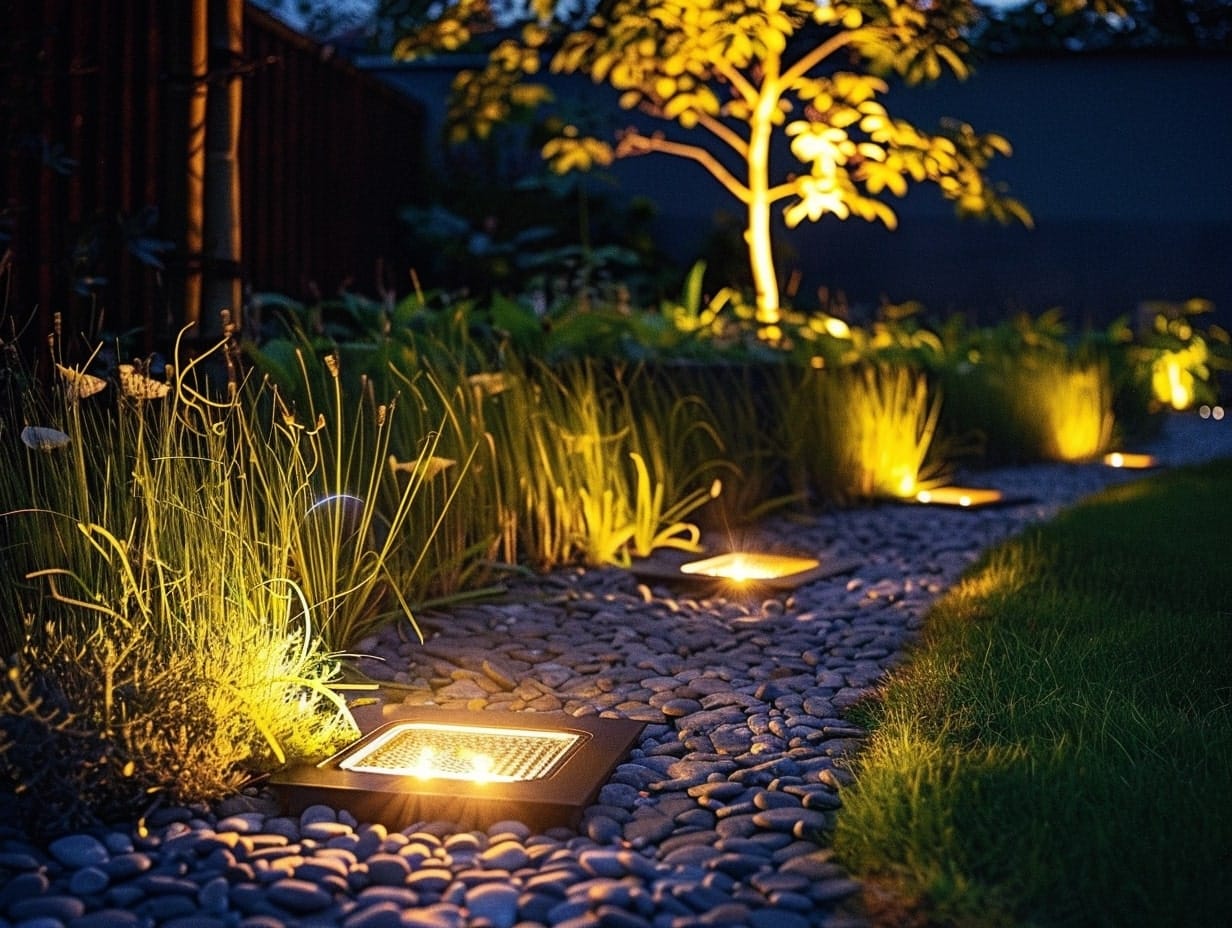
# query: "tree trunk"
194,164
757,233
222,290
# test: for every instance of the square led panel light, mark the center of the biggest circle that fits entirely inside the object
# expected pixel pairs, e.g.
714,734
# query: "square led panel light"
463,752
469,768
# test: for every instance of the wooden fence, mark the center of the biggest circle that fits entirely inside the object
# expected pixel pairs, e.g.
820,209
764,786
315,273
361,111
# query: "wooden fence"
94,129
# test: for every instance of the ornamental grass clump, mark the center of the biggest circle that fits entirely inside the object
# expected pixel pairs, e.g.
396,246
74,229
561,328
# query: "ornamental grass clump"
364,520
571,462
561,441
176,602
863,432
1038,405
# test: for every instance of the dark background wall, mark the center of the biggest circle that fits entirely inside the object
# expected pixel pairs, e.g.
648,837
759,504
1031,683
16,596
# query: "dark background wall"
94,148
1123,161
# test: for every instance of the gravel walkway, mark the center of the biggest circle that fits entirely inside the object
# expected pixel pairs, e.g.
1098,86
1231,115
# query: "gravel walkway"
714,819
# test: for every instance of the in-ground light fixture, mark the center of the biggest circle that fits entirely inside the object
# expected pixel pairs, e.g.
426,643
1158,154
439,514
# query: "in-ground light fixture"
471,768
751,566
1130,461
749,569
962,497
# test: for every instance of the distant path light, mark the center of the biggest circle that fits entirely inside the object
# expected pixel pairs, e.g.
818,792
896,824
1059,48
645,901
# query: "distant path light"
963,497
741,572
741,566
1130,461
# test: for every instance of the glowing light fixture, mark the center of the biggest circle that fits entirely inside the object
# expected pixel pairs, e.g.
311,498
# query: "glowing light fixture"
1130,461
744,566
963,497
474,753
470,768
1211,412
751,570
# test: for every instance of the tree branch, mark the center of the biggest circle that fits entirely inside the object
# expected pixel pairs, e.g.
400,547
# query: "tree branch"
725,133
816,55
739,82
781,191
633,142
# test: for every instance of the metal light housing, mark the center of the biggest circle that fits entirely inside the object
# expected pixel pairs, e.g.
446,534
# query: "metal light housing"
470,768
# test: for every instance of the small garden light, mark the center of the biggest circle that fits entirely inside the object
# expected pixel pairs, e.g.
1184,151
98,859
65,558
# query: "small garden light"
742,570
741,567
472,753
963,497
471,768
1130,461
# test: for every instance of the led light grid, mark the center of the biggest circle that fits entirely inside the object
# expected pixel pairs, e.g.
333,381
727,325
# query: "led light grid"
470,768
455,752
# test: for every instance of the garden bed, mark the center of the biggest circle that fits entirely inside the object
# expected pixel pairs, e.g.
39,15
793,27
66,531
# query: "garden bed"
719,812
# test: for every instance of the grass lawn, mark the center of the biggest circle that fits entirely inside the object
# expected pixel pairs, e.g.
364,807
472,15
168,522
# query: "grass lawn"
1058,751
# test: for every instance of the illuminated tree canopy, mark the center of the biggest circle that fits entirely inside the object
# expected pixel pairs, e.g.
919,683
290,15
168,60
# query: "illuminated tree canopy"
743,74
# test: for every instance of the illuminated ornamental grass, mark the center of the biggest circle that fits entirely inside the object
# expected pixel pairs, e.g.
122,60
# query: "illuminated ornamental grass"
187,566
570,465
1067,403
863,432
1039,405
177,594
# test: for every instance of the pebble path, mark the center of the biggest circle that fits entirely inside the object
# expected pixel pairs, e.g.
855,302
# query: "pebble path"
718,815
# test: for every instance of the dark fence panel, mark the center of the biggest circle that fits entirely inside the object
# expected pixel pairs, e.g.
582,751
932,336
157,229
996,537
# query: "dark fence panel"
79,111
329,156
93,132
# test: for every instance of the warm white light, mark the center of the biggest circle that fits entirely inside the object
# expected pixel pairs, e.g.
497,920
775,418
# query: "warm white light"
837,328
481,767
424,767
737,570
740,567
477,754
959,496
1211,412
1129,461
